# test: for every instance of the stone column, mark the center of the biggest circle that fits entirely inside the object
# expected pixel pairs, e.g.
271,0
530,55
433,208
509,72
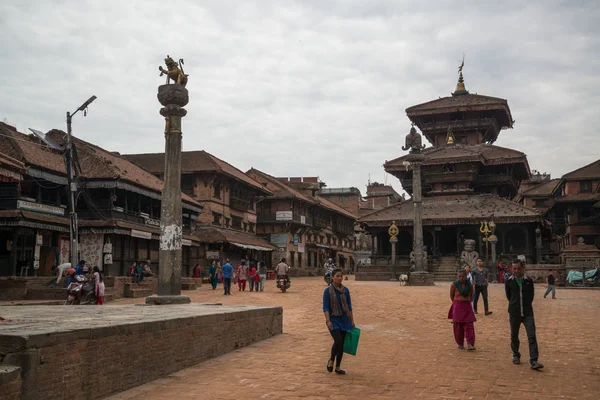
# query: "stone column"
538,245
393,241
173,97
420,277
493,240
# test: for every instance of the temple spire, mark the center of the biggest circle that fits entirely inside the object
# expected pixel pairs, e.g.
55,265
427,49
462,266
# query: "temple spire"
460,86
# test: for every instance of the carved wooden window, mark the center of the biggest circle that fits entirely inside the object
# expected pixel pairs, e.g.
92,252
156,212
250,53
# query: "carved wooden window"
217,191
585,187
216,218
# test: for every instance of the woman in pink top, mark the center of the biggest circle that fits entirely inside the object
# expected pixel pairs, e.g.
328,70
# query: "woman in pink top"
242,273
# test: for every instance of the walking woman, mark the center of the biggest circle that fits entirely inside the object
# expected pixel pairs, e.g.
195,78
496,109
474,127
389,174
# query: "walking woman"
212,270
99,286
461,312
337,308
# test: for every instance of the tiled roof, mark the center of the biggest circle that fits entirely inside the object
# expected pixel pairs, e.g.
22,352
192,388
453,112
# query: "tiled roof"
213,234
543,189
575,197
487,154
467,102
590,171
11,164
194,161
27,150
281,190
454,212
95,162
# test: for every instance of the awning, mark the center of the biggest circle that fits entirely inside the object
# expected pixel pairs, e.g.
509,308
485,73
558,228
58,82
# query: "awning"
248,246
244,240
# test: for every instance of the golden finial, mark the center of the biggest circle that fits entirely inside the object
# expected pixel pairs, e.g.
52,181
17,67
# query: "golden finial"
460,86
393,231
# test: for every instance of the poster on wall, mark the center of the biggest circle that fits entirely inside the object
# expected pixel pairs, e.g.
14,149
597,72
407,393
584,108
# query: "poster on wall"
90,249
65,249
212,255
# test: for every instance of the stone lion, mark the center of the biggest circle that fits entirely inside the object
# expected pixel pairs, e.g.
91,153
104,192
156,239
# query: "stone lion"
174,71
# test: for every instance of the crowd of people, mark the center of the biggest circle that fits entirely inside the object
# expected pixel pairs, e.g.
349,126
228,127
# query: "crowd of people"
248,274
81,272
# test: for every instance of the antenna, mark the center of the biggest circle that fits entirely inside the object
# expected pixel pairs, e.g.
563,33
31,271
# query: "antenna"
42,136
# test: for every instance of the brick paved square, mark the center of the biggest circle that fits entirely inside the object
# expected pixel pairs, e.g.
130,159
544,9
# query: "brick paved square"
407,350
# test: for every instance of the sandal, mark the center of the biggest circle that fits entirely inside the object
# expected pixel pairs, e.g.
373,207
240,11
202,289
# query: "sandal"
330,366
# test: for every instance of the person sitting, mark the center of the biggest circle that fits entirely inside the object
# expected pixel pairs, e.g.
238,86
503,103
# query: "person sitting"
147,270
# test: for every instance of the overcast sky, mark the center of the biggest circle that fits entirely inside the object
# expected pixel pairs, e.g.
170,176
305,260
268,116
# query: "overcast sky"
304,88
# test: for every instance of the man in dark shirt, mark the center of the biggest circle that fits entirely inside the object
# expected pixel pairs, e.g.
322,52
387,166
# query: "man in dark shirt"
480,277
551,288
520,292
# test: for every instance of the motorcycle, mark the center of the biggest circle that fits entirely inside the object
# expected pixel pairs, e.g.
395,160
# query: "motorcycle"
328,278
283,283
80,292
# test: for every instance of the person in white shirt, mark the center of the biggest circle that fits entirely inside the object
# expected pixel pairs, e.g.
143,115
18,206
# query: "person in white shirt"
60,270
282,269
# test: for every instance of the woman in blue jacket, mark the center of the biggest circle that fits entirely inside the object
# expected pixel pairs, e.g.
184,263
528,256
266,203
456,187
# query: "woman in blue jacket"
337,308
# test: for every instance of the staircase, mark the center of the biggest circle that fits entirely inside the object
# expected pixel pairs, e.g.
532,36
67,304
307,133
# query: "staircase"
446,269
137,290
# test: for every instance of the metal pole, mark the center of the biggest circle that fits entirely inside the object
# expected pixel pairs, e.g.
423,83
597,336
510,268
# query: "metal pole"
72,189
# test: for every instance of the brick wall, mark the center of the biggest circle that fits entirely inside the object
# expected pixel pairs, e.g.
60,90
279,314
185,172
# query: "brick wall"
95,363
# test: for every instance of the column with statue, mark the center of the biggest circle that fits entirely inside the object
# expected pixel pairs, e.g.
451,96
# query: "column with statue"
173,96
393,232
419,275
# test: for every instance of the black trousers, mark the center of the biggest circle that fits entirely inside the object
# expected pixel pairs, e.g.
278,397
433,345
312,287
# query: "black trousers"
481,290
515,325
227,285
337,350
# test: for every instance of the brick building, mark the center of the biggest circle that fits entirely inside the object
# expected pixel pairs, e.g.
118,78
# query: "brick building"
117,203
306,228
571,205
379,196
227,225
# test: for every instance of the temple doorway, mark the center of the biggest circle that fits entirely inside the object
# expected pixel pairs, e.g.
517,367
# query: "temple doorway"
448,244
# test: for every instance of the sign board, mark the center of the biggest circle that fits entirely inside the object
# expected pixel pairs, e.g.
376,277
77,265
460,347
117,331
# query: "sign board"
152,221
186,242
41,208
212,255
284,215
279,238
296,240
141,234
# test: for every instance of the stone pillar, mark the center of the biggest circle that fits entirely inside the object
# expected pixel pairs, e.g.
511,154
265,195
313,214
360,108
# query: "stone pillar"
173,97
538,245
420,277
393,241
493,240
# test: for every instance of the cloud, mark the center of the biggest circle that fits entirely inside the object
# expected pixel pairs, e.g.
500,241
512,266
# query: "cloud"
304,87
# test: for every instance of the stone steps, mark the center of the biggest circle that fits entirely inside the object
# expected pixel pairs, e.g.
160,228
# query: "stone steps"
188,286
140,292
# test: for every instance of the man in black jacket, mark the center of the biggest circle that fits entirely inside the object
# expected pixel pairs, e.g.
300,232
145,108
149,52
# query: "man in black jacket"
520,292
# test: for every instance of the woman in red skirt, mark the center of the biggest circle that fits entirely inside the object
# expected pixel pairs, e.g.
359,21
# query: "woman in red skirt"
461,312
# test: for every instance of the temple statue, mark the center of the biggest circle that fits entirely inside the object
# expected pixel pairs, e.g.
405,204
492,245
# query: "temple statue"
413,141
469,255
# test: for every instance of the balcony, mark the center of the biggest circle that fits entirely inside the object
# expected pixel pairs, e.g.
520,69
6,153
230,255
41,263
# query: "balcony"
239,204
442,126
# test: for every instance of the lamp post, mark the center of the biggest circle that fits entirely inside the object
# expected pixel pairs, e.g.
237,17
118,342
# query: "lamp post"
73,228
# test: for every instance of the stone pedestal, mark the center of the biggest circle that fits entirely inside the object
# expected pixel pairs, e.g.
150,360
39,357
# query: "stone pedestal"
420,278
173,97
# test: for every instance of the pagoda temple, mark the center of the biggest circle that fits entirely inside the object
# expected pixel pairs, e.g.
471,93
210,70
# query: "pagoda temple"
468,185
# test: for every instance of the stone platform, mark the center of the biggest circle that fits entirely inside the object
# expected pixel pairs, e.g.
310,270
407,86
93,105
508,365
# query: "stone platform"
93,351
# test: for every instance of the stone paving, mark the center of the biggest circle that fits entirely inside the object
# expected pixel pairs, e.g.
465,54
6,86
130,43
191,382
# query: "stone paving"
406,351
